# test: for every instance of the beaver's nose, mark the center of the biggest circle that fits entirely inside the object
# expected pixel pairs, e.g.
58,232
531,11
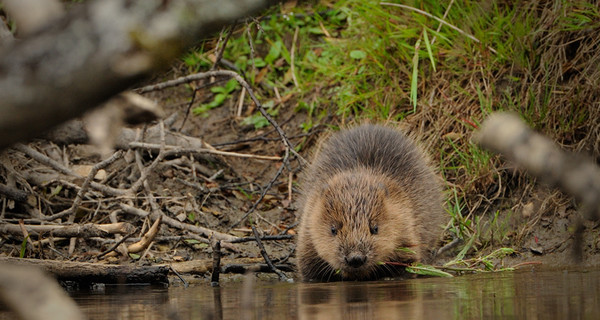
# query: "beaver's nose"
355,260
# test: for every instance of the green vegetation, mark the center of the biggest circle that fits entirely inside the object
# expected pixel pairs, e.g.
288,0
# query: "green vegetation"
361,60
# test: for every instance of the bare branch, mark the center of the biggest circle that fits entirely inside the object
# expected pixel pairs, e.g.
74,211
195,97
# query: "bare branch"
97,50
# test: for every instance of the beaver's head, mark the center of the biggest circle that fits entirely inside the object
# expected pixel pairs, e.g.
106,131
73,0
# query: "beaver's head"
361,222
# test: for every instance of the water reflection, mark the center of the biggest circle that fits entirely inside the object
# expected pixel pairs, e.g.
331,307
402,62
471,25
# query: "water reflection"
539,294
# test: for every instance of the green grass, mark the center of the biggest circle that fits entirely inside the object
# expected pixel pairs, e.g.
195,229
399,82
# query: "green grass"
357,60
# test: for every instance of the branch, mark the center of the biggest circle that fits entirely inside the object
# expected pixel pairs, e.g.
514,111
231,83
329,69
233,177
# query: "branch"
507,134
96,51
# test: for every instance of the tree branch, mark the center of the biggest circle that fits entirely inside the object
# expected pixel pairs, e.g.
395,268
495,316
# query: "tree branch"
97,50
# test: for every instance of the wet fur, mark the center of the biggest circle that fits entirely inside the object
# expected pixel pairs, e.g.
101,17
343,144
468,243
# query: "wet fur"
364,177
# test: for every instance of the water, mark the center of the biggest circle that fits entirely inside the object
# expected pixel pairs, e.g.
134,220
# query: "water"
531,294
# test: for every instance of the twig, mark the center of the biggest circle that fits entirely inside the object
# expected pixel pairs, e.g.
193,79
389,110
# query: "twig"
264,192
176,224
241,103
86,184
216,247
62,169
263,252
440,25
76,230
277,237
174,150
111,249
251,48
147,239
292,57
438,19
185,283
222,48
147,170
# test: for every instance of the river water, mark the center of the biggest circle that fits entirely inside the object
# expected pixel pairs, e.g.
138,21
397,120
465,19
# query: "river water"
531,294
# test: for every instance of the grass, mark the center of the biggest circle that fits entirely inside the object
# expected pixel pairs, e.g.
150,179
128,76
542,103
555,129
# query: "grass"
360,60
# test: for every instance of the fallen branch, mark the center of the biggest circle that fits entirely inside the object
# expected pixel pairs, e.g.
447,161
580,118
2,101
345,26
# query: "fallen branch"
84,272
84,231
175,150
146,239
578,176
176,224
263,252
125,41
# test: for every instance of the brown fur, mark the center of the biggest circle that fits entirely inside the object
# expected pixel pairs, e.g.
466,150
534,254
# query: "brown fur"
369,193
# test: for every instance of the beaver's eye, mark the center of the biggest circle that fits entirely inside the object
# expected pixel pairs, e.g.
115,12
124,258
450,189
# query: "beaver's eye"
333,230
374,229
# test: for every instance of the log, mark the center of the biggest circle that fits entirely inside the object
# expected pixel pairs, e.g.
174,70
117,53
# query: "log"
86,273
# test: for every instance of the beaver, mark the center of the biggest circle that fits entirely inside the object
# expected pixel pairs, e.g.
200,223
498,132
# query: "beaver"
372,204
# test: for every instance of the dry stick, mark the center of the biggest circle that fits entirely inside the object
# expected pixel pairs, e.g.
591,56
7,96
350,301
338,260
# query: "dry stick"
147,239
438,19
263,252
216,247
76,230
251,47
277,237
111,249
175,150
440,25
292,57
176,224
506,133
222,48
265,190
36,155
147,170
86,184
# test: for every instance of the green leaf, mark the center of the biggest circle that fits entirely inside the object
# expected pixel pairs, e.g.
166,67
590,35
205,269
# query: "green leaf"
192,241
414,82
274,52
55,191
134,256
357,54
231,85
191,217
427,270
315,30
218,90
428,46
23,247
259,63
218,100
257,120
